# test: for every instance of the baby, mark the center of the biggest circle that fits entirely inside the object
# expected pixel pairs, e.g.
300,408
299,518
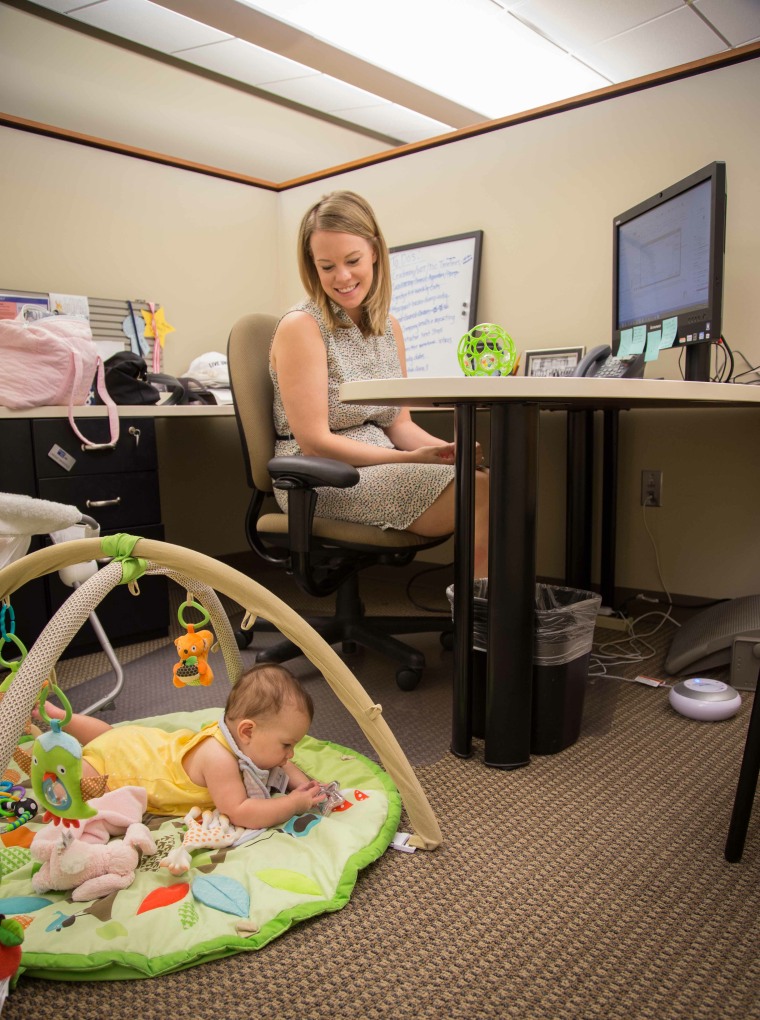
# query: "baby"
231,765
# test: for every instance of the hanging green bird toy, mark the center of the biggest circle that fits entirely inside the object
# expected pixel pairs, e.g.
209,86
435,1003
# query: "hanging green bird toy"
56,769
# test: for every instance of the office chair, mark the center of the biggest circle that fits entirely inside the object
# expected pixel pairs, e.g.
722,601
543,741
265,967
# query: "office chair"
324,556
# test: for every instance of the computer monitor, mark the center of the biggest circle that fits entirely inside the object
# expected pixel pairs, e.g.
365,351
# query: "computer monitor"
667,287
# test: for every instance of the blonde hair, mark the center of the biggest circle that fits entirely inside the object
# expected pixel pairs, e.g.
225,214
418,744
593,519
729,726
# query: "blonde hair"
346,213
263,691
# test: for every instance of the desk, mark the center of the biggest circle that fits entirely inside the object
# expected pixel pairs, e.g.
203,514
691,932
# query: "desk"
122,484
514,403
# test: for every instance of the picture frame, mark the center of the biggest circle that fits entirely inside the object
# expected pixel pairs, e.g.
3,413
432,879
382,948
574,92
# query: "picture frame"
552,360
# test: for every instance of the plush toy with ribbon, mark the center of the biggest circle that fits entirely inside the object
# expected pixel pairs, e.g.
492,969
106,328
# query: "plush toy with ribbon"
193,648
212,832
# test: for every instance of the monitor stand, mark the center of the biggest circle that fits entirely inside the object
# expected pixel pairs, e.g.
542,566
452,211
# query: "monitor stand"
698,362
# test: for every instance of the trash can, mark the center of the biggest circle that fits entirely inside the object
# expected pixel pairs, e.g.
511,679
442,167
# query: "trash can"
564,634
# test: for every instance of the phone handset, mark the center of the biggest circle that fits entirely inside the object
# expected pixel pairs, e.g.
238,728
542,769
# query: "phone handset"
591,362
600,362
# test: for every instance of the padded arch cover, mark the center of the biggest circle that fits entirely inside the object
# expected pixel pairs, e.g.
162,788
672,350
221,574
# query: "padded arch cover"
258,601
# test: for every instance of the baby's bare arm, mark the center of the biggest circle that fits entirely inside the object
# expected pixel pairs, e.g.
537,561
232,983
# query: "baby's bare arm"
218,771
295,776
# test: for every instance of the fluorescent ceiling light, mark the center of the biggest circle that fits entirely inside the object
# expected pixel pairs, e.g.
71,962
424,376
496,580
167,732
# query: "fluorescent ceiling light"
470,51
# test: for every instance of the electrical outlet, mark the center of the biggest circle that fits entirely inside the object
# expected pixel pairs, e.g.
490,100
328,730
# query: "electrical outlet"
651,488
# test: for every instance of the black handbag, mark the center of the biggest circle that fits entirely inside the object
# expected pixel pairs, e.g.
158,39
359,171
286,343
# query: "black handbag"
127,379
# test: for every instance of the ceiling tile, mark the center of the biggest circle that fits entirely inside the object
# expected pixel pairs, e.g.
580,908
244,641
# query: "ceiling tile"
66,6
396,122
575,23
149,24
245,62
676,38
738,21
321,92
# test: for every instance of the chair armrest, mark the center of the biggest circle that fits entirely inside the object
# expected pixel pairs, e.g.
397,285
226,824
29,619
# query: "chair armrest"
311,473
301,477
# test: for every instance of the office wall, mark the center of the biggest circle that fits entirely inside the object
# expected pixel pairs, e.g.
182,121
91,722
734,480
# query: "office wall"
58,75
83,221
545,193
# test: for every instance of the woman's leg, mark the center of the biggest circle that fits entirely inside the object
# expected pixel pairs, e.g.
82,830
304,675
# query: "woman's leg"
438,520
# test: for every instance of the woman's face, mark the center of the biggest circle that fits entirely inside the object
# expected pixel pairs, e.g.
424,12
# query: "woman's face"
346,267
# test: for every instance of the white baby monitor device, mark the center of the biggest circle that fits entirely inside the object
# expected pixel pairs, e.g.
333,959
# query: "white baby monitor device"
702,698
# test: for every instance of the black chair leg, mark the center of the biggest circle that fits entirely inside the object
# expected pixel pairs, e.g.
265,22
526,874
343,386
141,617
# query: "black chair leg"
745,789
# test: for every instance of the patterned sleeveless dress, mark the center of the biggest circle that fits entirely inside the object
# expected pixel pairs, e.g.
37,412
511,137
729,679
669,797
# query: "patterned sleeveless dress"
387,495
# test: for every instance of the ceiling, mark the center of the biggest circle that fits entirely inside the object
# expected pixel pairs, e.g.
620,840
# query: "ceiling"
410,69
407,70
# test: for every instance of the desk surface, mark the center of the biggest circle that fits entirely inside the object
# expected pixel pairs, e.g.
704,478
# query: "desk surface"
126,411
551,392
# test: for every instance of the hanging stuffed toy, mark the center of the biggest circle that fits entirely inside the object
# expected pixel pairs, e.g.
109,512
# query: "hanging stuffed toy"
55,769
193,648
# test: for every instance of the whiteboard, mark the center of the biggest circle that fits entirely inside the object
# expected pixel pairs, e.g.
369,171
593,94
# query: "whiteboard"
435,296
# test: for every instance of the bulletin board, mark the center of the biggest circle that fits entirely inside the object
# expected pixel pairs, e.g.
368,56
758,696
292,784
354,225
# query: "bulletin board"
435,297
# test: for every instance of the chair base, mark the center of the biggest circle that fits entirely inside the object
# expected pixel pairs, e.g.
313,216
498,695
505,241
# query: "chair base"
350,626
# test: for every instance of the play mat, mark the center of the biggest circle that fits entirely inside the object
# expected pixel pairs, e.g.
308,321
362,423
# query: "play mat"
232,895
232,899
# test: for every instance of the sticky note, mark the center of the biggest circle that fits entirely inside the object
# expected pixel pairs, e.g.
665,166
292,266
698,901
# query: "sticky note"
626,338
639,339
652,352
669,330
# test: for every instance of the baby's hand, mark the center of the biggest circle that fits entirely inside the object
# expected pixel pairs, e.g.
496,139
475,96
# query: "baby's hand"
306,796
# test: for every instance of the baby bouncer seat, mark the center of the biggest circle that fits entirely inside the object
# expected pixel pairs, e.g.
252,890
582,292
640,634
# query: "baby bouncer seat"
21,519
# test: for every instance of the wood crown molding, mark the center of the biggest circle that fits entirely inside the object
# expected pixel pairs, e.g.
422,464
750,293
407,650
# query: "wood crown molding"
749,52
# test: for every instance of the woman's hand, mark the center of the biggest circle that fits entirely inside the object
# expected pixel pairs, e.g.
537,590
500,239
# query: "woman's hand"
441,454
432,454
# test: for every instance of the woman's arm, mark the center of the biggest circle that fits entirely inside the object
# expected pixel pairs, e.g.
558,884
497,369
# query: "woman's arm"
300,361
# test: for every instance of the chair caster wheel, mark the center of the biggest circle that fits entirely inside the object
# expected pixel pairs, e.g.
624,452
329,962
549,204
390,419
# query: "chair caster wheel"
447,639
243,638
407,679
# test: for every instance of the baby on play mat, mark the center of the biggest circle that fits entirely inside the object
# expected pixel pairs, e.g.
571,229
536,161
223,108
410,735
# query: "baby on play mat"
232,765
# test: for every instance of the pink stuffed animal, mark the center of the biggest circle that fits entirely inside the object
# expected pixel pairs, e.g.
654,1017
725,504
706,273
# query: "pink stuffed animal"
92,870
88,860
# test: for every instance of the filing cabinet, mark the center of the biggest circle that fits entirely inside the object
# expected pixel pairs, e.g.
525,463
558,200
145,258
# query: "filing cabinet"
118,488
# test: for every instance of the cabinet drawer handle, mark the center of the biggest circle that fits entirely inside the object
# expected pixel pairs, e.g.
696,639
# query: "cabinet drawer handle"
89,503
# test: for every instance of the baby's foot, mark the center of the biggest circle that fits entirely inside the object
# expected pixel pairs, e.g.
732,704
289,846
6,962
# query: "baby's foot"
51,711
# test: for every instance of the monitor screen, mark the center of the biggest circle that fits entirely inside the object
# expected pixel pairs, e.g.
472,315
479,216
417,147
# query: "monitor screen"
668,271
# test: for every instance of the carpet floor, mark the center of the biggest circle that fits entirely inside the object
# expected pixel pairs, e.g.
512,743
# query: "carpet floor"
590,884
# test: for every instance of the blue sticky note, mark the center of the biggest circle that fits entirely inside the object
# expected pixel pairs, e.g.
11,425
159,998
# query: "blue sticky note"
639,339
626,339
652,352
669,330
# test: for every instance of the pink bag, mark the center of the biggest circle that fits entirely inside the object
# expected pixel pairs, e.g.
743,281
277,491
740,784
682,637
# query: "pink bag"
52,362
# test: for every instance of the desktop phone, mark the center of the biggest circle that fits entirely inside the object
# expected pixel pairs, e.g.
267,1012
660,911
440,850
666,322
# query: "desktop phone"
600,363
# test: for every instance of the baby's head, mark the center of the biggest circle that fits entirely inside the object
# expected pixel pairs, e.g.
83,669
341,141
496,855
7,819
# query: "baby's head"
268,711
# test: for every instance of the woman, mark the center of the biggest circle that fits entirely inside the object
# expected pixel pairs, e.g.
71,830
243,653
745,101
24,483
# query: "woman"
344,331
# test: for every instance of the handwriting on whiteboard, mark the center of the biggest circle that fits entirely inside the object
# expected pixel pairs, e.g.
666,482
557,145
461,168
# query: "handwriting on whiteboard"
433,302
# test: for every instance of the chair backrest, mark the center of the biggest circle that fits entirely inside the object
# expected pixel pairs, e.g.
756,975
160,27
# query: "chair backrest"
248,362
